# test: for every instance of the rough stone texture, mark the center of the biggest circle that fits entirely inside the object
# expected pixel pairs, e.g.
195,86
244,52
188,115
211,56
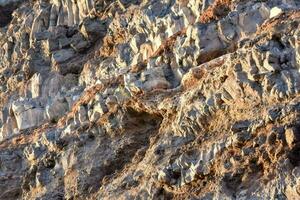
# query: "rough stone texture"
28,114
139,99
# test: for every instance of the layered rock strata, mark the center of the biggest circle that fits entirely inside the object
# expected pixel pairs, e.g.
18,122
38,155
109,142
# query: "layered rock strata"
138,99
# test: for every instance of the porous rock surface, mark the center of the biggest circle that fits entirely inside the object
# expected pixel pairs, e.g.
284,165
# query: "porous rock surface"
148,99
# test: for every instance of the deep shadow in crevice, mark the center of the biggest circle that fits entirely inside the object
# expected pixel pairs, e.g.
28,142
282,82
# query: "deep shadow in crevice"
6,13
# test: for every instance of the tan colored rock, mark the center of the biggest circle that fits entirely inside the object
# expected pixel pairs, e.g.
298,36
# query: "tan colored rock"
291,137
210,109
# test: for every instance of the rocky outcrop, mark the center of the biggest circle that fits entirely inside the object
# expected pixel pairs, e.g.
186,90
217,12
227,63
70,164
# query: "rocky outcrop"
137,99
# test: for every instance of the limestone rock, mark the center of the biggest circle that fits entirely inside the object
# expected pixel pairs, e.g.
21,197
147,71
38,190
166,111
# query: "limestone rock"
92,29
154,79
28,114
62,55
34,86
56,109
275,12
130,99
79,43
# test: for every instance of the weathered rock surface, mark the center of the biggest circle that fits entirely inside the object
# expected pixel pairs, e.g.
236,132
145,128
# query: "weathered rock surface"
139,99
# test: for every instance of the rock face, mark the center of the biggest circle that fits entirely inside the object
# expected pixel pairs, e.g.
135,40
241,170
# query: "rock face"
139,99
28,114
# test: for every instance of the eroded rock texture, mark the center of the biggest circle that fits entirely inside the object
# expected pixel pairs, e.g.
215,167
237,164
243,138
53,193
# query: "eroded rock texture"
147,99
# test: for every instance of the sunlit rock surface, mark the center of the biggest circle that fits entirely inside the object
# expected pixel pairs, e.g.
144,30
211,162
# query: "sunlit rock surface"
140,99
